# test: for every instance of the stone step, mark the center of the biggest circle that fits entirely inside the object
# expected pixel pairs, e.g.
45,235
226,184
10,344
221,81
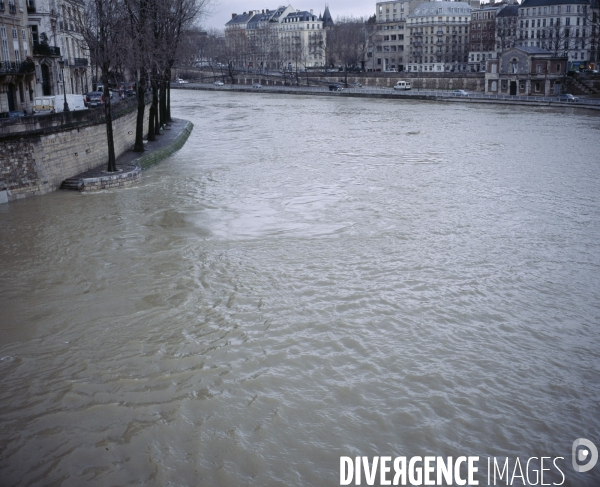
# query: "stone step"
71,183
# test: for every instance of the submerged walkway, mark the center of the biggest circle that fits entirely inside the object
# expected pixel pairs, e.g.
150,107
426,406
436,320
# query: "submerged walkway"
130,164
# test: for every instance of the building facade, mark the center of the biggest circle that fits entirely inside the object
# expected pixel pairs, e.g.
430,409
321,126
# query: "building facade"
283,38
35,35
389,41
482,37
439,37
17,72
507,27
302,40
560,26
530,71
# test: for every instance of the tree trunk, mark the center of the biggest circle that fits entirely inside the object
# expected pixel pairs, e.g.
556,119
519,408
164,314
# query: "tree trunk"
155,102
163,101
141,106
112,160
153,108
168,118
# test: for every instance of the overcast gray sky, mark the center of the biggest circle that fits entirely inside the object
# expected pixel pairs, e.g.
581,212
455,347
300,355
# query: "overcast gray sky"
221,10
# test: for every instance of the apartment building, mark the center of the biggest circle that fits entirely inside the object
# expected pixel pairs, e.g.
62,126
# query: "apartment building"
389,40
482,36
507,26
560,26
275,39
17,72
55,28
302,39
439,36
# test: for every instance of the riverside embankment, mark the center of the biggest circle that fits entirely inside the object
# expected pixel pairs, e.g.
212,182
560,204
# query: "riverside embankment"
390,93
38,154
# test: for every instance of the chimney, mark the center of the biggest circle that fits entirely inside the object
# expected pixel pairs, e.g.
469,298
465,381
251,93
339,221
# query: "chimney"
250,12
311,11
233,16
263,10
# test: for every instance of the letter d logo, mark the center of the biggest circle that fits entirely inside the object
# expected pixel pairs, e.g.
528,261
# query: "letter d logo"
582,454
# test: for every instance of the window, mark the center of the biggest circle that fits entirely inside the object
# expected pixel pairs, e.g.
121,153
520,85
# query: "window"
539,69
538,87
568,8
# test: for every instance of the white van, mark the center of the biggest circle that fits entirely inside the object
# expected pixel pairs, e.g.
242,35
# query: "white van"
56,104
402,85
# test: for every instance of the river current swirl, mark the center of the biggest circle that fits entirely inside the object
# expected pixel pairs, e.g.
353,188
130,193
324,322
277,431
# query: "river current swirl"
309,278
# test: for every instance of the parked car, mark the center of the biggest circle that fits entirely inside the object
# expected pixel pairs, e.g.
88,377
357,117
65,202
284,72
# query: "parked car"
94,99
459,93
568,98
402,85
100,88
355,84
180,81
591,71
256,85
219,83
391,70
335,87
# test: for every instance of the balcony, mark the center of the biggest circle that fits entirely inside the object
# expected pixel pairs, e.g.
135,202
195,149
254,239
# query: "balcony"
79,62
418,34
9,67
45,50
417,43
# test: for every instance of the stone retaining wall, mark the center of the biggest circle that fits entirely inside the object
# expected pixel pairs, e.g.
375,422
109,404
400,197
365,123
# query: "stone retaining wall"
34,163
158,155
471,81
112,181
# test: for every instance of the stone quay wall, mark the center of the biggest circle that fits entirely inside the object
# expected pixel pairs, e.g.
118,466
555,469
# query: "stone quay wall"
49,149
121,180
422,81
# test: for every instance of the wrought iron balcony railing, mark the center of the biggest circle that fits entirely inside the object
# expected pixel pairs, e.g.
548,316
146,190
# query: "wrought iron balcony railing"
45,50
79,62
10,67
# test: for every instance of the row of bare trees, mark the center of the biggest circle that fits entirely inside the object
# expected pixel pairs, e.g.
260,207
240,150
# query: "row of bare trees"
140,38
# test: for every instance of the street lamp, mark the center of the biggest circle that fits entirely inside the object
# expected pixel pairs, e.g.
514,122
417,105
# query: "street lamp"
61,63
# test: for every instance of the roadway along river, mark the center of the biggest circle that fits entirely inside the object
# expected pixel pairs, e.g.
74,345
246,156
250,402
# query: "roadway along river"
309,278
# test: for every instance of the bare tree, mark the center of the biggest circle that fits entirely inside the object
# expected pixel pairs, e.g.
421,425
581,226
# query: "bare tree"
102,31
348,43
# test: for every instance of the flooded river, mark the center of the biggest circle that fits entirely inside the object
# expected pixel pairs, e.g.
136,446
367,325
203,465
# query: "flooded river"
309,278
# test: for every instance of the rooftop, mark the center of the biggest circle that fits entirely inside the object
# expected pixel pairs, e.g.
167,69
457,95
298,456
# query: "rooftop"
430,9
